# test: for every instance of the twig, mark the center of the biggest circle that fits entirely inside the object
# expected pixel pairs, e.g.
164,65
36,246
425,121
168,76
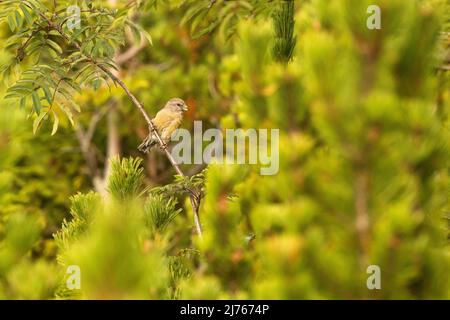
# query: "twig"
21,49
194,196
88,155
87,149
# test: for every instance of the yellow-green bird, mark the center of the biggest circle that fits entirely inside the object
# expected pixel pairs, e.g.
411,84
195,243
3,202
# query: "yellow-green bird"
166,121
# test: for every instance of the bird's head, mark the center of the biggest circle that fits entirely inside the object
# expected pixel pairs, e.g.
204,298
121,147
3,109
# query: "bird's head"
176,105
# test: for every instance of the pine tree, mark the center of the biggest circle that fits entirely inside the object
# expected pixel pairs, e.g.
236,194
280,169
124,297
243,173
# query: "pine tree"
363,173
120,242
363,163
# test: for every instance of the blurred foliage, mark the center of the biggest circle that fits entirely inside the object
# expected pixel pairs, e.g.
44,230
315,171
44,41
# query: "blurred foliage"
363,177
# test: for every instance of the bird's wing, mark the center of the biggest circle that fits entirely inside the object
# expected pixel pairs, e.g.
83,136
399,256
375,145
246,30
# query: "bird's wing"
166,133
162,119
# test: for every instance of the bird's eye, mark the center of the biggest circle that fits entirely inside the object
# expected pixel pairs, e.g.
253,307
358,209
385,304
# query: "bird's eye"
179,104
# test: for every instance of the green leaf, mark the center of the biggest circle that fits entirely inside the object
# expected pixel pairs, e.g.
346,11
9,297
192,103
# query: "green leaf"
26,14
76,34
192,13
54,46
23,102
55,123
74,105
19,19
48,95
136,33
11,22
148,37
37,122
96,84
206,30
13,95
54,33
67,112
36,102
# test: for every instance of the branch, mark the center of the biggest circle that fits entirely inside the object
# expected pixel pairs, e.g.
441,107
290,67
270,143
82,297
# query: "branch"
89,156
194,195
21,49
94,121
130,53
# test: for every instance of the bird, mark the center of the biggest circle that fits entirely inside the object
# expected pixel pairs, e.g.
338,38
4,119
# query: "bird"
166,121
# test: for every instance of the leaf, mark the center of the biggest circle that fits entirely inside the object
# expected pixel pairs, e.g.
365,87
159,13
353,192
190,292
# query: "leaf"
73,104
23,102
67,112
26,14
206,30
109,49
54,33
37,122
136,33
19,19
11,22
13,95
76,34
48,95
148,37
55,123
96,84
192,13
36,102
54,46
109,65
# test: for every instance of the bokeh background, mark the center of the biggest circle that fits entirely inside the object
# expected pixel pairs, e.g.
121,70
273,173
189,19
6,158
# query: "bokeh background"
364,159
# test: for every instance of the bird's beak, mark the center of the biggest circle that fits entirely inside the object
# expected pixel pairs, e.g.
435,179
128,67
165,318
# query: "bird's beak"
185,108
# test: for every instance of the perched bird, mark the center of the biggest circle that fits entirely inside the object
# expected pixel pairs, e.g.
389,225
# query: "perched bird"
166,121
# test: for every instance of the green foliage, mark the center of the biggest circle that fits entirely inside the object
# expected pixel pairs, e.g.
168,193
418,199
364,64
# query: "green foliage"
363,175
283,22
362,182
159,212
18,241
126,179
33,202
183,185
118,241
226,254
82,208
21,276
64,56
205,17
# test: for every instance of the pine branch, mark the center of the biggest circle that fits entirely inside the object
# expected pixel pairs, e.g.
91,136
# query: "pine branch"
283,22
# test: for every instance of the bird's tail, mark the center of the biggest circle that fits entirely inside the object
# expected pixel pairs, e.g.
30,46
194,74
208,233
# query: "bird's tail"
147,144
